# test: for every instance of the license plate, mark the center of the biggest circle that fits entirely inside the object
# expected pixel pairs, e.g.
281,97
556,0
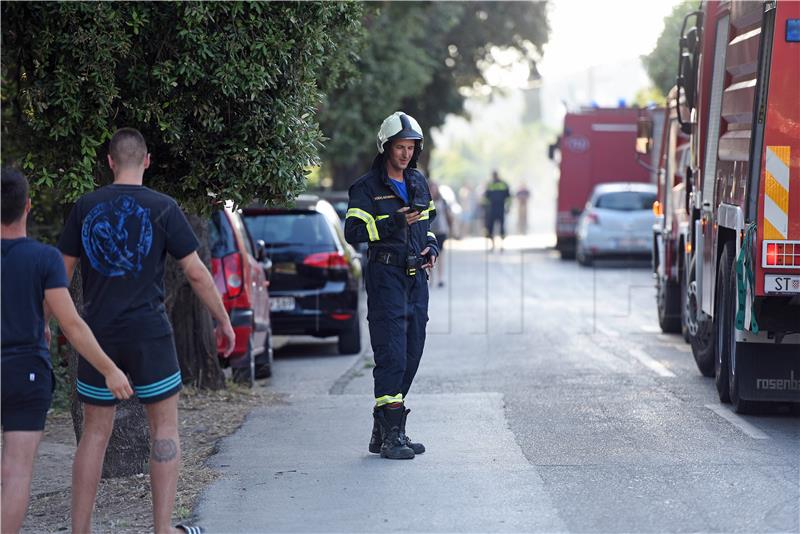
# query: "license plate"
782,283
281,303
630,243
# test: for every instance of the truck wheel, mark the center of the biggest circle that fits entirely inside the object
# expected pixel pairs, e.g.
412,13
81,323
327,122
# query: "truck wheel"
668,302
350,339
700,334
264,361
737,351
684,289
723,325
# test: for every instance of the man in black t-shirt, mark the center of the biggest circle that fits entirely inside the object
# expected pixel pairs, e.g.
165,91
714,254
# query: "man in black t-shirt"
32,276
121,234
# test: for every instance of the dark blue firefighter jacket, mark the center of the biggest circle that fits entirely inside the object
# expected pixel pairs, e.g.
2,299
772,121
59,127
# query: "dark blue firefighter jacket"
372,214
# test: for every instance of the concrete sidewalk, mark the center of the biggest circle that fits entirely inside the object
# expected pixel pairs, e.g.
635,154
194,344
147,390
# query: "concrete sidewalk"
304,467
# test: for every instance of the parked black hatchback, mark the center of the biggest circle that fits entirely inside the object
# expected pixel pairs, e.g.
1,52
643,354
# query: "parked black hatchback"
315,275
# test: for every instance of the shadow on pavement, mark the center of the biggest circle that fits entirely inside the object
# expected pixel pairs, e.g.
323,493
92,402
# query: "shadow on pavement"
307,347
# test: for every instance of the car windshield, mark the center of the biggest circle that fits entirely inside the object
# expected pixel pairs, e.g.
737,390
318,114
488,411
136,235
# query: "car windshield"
286,229
626,201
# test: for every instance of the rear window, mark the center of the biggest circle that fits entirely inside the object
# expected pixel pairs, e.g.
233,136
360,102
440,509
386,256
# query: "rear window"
626,201
220,236
286,229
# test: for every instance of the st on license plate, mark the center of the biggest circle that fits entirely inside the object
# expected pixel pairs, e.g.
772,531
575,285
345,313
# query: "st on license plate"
281,303
782,283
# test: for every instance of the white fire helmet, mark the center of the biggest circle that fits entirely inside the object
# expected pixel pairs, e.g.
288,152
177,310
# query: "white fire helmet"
398,125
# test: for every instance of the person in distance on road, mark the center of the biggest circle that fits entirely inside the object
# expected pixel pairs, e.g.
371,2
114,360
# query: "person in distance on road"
33,278
496,201
391,208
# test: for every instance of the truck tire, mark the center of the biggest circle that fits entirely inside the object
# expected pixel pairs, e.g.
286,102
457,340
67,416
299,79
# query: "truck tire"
724,311
700,334
737,351
684,299
350,339
668,302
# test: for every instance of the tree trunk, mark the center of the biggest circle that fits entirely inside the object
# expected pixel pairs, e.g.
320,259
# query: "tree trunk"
192,323
129,447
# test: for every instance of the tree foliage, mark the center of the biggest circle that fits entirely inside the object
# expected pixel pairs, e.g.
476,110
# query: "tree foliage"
225,93
662,63
418,57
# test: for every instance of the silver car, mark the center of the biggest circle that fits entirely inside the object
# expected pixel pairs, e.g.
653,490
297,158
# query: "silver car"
617,221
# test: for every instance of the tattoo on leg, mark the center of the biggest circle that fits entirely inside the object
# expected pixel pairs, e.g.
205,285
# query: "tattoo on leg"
164,450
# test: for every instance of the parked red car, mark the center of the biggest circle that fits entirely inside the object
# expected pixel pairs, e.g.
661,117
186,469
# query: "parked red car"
239,267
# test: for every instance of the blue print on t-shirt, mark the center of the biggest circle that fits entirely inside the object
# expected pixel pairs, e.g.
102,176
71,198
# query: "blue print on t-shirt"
117,236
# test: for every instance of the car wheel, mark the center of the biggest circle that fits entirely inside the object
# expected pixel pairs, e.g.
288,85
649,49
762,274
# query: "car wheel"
264,361
246,375
722,326
700,329
583,258
350,339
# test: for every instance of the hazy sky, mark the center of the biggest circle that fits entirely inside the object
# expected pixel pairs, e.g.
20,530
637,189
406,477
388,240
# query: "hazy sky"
585,33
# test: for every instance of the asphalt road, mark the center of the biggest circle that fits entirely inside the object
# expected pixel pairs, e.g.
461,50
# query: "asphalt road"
549,402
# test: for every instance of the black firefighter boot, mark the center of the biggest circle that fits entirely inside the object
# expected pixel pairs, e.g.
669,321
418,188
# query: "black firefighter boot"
393,442
376,439
418,448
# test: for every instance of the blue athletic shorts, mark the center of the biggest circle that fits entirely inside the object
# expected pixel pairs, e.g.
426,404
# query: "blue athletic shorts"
27,383
152,365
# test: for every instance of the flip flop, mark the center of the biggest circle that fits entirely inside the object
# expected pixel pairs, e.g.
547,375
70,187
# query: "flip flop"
190,529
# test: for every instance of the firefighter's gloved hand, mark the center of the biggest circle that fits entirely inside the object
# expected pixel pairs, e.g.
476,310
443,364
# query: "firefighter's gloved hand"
430,259
411,216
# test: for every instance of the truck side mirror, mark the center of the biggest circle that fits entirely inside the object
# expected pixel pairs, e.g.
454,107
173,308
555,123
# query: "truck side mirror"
688,59
551,149
644,135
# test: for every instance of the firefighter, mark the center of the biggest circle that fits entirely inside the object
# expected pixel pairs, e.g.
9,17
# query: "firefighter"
391,209
496,202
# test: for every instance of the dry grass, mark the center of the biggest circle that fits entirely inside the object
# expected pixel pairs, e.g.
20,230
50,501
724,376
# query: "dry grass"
123,504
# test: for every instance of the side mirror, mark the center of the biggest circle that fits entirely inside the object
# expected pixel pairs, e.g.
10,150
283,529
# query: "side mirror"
688,60
551,149
266,264
261,251
576,212
644,135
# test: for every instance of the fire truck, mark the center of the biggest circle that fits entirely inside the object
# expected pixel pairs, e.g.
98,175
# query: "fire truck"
672,217
737,76
596,146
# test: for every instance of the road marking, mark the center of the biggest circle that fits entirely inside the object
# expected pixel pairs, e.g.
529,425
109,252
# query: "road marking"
651,364
682,348
650,329
607,331
727,413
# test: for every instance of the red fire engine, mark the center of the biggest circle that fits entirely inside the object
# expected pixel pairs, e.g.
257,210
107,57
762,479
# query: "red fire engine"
672,220
596,146
740,61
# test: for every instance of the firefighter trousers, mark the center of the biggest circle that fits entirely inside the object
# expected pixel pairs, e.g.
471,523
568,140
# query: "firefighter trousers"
397,312
494,219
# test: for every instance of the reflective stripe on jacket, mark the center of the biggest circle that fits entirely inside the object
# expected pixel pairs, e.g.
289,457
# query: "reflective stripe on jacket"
372,214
